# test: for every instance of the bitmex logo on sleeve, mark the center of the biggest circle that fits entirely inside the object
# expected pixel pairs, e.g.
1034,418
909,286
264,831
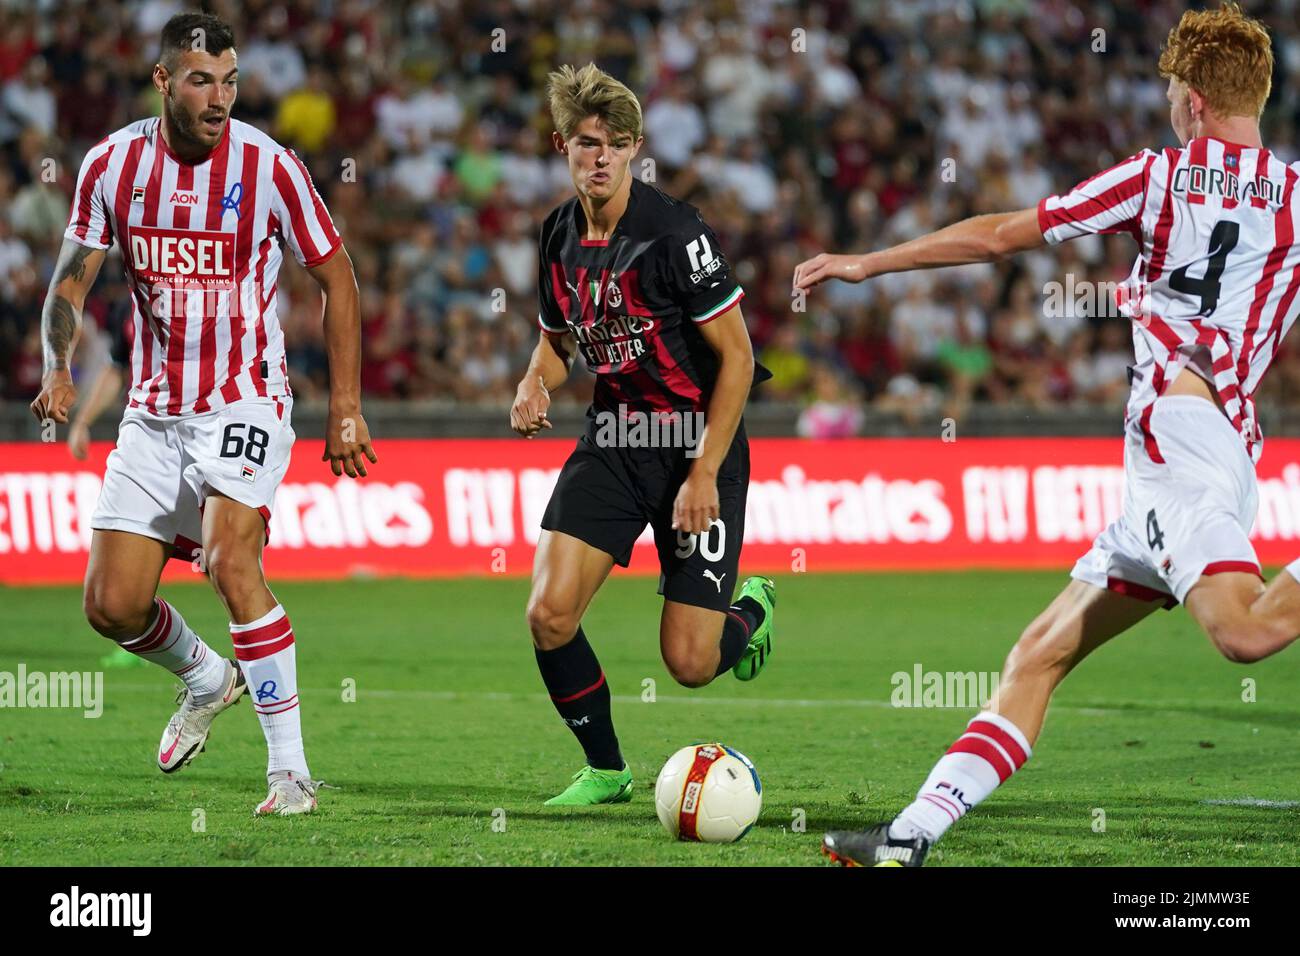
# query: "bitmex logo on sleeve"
77,909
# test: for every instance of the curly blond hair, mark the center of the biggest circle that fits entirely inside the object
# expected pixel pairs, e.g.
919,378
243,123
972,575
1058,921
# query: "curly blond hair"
1225,56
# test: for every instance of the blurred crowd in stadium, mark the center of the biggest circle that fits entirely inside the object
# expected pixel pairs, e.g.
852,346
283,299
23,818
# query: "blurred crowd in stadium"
841,125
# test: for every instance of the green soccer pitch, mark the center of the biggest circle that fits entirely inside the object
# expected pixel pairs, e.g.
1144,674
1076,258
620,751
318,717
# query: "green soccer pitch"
1150,754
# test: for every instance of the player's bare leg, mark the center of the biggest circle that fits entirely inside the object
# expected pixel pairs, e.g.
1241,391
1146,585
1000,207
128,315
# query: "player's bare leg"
1245,620
121,603
998,741
567,572
233,537
699,644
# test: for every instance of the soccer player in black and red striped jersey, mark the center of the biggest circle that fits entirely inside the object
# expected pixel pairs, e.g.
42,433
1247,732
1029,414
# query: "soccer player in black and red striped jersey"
635,281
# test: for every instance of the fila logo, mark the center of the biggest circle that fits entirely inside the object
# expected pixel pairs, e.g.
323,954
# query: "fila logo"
708,573
137,194
181,197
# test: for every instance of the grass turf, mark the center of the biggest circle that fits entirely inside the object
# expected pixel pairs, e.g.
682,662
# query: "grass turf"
450,731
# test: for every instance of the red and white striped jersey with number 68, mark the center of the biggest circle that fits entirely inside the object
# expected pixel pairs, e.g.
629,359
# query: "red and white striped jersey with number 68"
1214,286
201,246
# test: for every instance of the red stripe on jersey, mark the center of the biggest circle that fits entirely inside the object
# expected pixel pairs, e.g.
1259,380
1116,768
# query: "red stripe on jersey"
1283,233
243,255
83,208
1198,155
1160,237
212,223
1148,439
332,238
1288,294
1116,195
297,219
1257,201
122,216
152,197
179,309
980,747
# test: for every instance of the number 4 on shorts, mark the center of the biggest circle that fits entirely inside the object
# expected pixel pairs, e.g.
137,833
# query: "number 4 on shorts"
1155,537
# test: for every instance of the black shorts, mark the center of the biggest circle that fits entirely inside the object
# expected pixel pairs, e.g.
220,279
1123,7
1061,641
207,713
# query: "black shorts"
606,496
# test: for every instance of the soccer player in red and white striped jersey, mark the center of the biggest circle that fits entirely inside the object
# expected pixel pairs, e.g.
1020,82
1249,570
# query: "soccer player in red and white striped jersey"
201,207
1212,293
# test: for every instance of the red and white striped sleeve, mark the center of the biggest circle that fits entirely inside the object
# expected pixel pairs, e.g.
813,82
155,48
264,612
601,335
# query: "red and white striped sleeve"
88,222
304,221
1109,202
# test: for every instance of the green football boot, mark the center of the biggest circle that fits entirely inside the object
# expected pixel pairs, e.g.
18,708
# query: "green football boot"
591,786
763,591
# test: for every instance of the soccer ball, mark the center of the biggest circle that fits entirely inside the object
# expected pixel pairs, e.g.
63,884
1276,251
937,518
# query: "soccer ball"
709,793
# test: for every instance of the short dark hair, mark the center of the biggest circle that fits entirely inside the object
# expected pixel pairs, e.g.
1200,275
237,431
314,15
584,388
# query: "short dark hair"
194,31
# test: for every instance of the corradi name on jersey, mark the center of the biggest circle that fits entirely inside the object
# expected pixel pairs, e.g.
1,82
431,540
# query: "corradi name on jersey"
1215,282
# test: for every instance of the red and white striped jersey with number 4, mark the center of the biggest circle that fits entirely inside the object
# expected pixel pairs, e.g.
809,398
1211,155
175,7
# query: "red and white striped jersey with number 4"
201,246
1214,286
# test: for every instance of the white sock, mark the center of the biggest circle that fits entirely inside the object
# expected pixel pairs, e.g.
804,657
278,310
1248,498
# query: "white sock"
265,651
1294,569
990,751
169,642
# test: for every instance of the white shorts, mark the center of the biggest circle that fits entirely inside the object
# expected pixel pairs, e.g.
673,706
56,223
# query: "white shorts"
1186,517
163,469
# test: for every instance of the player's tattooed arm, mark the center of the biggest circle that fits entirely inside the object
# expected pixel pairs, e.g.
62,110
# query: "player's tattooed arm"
74,274
977,239
547,369
347,436
697,501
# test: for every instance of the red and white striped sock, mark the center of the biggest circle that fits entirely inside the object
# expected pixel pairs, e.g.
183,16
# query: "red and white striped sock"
990,751
265,650
169,642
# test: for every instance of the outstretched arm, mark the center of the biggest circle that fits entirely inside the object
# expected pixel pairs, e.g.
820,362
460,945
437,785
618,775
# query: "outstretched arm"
977,239
347,438
74,274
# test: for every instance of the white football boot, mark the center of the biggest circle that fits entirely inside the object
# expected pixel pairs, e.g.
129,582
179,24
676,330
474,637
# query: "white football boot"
289,794
187,731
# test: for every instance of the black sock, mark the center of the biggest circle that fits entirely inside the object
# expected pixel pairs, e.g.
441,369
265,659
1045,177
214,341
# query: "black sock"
578,689
742,617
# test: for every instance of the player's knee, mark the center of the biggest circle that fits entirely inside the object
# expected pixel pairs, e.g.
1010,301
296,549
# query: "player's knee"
235,574
551,626
114,613
690,669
